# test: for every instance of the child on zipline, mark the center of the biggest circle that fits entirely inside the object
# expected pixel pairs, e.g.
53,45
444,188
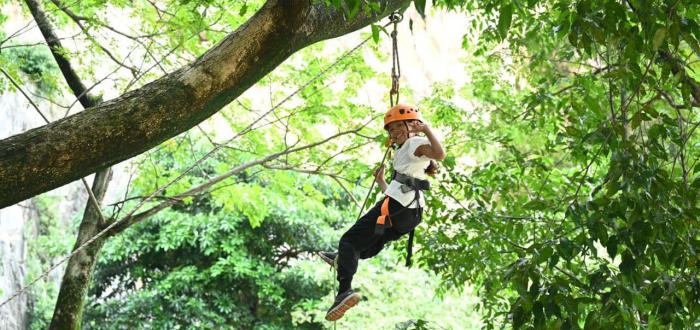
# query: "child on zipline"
399,212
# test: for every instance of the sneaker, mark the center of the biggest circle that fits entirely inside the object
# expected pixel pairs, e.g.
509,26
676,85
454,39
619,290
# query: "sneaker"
331,258
343,302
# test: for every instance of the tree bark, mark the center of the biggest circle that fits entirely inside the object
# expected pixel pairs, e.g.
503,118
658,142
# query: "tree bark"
50,156
68,312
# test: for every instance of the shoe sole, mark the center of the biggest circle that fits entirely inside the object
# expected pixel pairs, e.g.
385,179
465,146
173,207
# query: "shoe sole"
347,303
329,261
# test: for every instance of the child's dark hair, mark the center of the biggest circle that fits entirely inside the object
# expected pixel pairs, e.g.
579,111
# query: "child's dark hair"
432,169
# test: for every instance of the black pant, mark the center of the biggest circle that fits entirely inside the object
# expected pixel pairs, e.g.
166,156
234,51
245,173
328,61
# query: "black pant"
360,242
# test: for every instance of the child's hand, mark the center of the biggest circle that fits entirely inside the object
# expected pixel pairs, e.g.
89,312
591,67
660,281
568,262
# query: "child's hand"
419,127
379,174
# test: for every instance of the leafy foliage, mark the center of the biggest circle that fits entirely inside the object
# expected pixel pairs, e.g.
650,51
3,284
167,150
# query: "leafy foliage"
569,197
582,209
36,63
207,264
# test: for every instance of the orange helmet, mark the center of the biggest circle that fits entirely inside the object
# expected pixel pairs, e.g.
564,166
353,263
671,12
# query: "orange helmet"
402,111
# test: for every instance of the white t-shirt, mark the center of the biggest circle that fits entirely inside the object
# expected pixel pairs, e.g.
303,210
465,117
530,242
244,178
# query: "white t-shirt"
407,163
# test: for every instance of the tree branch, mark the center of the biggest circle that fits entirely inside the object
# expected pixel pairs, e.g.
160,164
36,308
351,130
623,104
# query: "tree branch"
333,176
53,155
133,219
54,43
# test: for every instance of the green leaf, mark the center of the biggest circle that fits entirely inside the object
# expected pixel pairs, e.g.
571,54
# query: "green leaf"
552,309
627,264
659,36
520,316
592,321
696,183
420,7
692,42
504,20
593,104
535,204
375,33
611,246
538,313
565,248
450,161
375,7
354,7
545,253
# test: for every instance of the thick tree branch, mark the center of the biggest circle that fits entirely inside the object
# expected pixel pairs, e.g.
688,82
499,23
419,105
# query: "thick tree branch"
53,155
74,284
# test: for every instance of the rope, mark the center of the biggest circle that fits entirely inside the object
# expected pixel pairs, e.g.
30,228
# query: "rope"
371,187
395,18
179,177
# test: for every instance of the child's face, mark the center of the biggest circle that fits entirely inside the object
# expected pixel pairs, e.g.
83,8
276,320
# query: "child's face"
398,130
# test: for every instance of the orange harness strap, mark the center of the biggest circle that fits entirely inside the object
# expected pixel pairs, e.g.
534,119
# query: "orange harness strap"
381,219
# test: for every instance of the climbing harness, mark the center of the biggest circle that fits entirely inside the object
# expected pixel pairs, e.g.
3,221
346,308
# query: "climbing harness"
187,170
408,183
402,112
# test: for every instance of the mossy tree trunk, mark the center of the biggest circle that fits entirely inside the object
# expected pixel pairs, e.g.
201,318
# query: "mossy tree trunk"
69,305
68,310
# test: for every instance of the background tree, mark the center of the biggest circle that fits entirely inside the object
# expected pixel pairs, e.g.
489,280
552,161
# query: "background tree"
583,207
580,208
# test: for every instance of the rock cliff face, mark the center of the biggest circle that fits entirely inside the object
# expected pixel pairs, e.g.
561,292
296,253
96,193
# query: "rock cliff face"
18,223
15,117
12,270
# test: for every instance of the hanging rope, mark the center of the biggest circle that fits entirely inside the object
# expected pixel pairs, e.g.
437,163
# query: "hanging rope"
193,166
395,18
362,209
